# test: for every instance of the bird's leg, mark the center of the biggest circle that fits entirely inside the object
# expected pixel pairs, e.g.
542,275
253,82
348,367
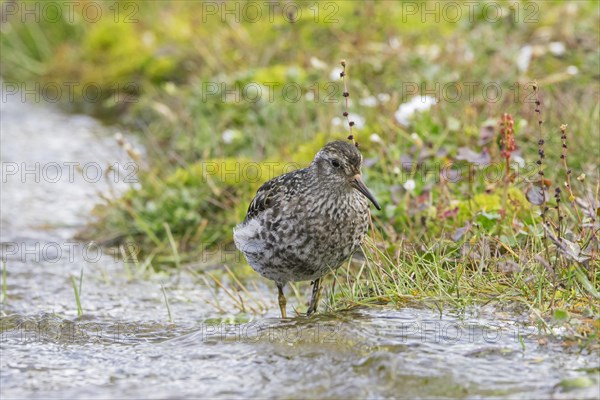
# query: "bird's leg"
314,299
282,301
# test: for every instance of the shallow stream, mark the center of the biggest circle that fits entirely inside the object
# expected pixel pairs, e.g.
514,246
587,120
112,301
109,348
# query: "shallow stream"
124,345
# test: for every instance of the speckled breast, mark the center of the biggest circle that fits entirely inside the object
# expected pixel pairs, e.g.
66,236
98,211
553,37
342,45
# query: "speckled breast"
308,241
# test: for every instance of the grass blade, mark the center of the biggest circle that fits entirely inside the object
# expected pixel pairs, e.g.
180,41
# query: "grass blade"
167,303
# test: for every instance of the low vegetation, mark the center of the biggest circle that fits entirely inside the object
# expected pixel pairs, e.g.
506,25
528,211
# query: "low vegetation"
480,140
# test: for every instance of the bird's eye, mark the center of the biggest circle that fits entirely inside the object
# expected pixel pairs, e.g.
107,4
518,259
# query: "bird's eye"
335,163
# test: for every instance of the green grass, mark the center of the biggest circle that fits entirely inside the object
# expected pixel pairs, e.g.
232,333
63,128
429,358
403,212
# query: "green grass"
167,305
472,241
77,291
4,283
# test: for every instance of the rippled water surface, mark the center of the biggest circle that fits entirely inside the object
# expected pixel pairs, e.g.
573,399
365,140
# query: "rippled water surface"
125,346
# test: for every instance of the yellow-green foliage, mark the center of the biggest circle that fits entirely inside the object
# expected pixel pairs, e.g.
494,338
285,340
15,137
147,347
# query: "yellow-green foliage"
486,202
487,209
307,150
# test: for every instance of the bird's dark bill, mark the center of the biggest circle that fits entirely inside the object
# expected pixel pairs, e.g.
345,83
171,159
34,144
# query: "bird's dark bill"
361,187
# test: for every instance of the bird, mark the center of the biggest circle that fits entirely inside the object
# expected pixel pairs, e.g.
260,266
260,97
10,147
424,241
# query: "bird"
307,222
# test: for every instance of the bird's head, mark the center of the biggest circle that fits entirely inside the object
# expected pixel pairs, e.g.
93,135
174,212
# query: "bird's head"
338,163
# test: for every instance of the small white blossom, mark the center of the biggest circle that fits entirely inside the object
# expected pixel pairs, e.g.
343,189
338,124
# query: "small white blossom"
230,135
524,58
383,97
369,101
375,138
572,70
417,139
318,64
359,121
410,185
557,48
520,161
407,110
334,75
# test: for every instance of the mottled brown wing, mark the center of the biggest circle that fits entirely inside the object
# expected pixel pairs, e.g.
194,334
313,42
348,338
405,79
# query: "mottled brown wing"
273,193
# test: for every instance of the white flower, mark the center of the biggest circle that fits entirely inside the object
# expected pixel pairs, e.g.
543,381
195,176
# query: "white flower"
383,97
524,57
336,121
520,161
318,64
334,75
229,135
375,138
572,70
369,101
417,104
396,170
359,121
417,139
557,48
310,96
410,185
